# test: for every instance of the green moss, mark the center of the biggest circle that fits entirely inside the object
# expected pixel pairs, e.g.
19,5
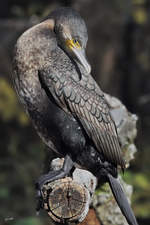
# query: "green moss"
103,189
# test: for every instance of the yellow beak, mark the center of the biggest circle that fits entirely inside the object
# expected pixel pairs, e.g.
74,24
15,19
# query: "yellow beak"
81,58
79,54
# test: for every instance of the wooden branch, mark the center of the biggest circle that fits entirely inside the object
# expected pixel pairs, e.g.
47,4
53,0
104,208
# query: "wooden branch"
91,218
67,200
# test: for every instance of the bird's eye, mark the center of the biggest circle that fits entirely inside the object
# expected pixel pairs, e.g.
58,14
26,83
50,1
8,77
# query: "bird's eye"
73,43
76,43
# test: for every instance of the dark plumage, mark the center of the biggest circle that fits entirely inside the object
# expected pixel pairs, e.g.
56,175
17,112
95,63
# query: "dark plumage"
66,106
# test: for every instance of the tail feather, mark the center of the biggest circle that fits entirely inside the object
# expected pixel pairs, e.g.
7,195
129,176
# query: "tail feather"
122,200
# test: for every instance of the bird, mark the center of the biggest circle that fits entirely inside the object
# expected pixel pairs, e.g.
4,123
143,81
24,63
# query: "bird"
53,80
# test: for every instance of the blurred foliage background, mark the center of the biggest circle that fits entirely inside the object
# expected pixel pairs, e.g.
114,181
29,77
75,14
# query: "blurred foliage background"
119,52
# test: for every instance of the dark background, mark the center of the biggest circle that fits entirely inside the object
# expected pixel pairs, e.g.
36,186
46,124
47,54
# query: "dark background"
119,52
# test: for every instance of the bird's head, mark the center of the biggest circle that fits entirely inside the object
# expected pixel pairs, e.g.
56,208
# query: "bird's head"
71,34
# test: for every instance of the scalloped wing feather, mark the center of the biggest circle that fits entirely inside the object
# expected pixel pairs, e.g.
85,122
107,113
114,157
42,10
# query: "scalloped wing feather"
91,109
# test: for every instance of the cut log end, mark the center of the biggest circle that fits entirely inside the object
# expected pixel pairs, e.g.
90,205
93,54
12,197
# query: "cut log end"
66,200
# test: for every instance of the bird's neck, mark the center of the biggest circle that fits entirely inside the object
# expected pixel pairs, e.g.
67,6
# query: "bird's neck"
32,51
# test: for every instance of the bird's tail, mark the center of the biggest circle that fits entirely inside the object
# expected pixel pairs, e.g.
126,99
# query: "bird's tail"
121,199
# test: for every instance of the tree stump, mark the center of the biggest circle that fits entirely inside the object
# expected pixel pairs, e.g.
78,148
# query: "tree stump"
67,200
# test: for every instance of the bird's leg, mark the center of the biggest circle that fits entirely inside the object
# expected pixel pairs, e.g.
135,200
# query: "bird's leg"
51,176
55,175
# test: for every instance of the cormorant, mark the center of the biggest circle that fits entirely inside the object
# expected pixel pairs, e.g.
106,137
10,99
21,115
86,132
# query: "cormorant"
67,107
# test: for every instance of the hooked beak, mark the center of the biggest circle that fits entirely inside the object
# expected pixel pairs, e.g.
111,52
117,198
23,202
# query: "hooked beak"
78,53
81,58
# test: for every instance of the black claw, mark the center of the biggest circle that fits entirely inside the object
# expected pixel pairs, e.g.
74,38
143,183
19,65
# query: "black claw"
39,198
49,177
39,206
38,194
40,201
37,187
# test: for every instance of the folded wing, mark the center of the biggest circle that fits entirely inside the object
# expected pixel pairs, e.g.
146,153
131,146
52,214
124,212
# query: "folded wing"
87,103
